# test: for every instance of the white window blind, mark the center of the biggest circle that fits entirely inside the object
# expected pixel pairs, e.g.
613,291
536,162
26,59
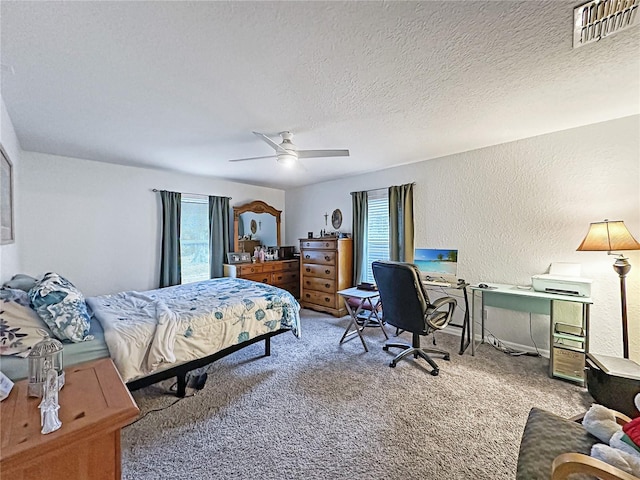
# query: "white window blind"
377,247
194,239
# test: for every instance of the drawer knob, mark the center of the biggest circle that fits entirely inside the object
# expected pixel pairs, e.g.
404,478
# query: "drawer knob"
327,272
327,299
307,256
308,269
326,244
327,258
308,296
327,285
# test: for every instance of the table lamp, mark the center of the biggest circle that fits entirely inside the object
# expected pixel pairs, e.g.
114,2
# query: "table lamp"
608,236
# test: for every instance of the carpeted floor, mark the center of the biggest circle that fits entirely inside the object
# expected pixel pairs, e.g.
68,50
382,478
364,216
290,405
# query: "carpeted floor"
319,410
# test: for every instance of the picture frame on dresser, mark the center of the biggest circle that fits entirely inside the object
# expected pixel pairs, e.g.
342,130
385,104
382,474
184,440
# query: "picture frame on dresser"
7,230
234,258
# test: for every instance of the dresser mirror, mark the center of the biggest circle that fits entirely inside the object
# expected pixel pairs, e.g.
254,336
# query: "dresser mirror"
254,224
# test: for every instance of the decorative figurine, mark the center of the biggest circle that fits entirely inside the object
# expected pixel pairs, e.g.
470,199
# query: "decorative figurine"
49,406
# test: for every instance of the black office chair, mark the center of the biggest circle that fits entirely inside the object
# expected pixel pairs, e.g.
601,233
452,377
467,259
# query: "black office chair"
406,306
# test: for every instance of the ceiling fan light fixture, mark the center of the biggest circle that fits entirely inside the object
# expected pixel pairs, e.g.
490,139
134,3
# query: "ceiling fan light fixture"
287,159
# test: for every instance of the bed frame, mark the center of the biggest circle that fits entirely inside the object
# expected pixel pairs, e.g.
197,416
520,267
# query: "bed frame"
181,371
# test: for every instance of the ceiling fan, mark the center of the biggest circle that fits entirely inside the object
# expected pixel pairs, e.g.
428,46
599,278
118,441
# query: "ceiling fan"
287,153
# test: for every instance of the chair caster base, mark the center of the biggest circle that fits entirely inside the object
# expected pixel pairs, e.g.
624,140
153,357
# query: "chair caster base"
435,372
385,348
446,357
392,365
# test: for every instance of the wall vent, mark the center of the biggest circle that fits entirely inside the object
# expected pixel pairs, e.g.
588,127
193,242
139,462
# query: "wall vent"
600,18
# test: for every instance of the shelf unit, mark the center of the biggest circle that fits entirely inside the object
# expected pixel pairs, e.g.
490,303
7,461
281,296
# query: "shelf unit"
569,342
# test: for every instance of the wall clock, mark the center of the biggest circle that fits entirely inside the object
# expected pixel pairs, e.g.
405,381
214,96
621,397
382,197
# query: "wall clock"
336,218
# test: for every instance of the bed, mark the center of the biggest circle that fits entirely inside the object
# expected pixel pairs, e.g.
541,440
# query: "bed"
165,333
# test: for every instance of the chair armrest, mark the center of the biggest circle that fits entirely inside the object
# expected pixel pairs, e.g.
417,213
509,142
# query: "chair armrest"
435,317
568,463
621,418
443,301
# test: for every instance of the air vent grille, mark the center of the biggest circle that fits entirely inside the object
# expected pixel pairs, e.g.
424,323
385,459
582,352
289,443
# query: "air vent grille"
601,18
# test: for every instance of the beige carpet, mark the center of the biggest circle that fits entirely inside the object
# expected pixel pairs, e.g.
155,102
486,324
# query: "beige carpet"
319,410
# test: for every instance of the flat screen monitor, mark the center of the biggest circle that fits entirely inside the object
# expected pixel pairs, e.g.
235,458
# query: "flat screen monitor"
436,264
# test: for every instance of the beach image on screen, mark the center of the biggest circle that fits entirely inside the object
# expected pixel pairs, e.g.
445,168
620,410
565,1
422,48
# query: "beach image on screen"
432,261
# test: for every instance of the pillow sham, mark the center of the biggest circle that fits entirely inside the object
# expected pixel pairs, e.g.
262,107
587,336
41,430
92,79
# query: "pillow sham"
62,307
20,328
21,282
15,295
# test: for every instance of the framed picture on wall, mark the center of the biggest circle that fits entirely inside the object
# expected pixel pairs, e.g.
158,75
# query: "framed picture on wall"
7,231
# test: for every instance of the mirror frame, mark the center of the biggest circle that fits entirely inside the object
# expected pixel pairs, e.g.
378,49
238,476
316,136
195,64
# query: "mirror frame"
257,206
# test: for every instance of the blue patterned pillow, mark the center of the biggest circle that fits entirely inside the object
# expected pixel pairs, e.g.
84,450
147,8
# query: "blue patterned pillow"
62,307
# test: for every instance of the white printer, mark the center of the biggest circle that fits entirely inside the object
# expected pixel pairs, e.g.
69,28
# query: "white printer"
563,279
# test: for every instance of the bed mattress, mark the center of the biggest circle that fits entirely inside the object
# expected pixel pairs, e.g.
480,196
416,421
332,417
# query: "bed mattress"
17,368
157,329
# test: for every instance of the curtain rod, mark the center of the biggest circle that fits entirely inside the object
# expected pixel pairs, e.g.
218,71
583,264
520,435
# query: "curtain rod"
383,188
194,194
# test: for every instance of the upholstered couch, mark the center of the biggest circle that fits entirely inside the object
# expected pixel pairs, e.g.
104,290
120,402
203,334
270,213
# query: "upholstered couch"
557,448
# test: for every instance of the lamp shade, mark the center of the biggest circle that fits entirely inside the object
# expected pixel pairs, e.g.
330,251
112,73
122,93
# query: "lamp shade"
608,236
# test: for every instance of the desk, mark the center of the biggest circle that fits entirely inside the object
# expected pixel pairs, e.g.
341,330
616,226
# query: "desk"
466,323
511,297
366,300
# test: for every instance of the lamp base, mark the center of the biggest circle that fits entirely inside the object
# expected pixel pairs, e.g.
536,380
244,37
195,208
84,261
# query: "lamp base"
622,266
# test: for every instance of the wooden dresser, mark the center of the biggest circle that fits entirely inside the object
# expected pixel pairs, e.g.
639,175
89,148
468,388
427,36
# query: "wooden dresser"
284,274
94,406
326,266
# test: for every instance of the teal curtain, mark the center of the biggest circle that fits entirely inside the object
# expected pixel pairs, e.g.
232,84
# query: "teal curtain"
170,268
218,234
359,201
401,223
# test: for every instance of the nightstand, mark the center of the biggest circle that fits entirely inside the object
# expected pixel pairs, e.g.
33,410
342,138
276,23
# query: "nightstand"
94,406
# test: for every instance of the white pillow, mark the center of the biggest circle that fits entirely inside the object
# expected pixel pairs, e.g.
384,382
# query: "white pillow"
20,328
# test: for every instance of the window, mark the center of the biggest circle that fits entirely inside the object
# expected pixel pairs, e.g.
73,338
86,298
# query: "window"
194,239
377,247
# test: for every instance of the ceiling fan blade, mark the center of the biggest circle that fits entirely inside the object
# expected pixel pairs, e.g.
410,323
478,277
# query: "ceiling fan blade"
322,153
252,158
273,144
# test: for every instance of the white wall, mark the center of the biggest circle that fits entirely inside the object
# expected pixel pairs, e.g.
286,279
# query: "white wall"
99,224
9,253
511,210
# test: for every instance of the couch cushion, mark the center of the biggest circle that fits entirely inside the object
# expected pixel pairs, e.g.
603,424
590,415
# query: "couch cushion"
545,437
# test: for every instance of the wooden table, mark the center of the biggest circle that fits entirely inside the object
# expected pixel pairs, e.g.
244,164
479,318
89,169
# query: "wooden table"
94,406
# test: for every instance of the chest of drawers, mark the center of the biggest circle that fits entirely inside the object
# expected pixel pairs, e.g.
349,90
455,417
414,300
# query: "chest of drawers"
284,274
326,266
94,406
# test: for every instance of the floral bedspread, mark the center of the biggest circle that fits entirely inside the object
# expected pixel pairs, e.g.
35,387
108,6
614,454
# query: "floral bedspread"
156,329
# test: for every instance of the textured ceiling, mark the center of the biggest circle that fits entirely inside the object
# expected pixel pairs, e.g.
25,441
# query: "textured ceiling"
181,85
